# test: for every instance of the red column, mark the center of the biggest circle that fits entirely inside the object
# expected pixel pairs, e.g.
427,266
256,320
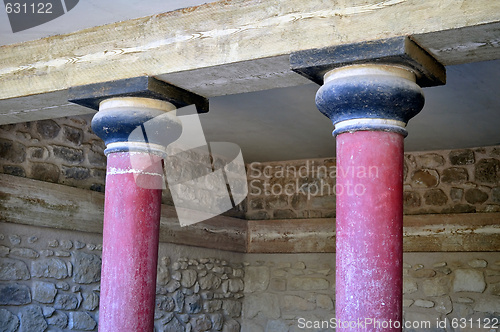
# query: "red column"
136,132
369,225
130,242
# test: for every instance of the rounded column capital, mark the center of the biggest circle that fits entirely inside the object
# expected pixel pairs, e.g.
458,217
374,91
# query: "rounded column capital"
370,97
136,124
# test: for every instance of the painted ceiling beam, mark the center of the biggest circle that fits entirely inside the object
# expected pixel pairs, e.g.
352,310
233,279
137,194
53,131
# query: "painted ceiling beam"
230,47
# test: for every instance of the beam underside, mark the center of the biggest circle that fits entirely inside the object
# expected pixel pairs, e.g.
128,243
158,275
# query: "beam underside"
230,47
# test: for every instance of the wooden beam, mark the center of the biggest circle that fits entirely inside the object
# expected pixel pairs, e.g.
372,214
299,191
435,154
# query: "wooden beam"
31,202
231,46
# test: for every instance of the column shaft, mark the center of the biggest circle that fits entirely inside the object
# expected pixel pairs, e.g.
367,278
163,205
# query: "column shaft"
130,242
369,218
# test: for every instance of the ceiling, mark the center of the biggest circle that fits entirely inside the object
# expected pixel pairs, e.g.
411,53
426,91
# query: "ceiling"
283,124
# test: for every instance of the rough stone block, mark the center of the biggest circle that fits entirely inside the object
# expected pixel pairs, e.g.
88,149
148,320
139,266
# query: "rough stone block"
455,175
296,303
462,157
308,283
8,321
12,151
49,268
90,301
436,286
267,304
409,286
488,171
231,325
32,319
188,278
44,292
58,319
69,155
475,196
231,308
45,172
430,160
48,129
425,178
81,321
66,302
14,294
435,197
256,279
201,323
87,267
13,269
468,280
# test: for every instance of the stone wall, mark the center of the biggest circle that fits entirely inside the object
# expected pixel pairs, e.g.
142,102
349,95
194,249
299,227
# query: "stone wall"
456,181
49,281
290,292
63,151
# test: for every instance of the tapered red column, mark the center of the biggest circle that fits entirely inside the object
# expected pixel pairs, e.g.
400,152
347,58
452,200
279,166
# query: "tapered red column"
133,130
369,105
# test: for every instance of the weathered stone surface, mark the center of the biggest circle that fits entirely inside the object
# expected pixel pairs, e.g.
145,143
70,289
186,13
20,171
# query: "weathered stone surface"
430,160
425,178
188,278
165,303
456,194
268,304
409,286
435,197
278,284
462,157
212,306
423,273
284,214
455,175
217,321
47,129
81,321
424,303
24,252
4,251
86,267
231,308
90,301
488,171
193,304
411,199
236,285
276,326
73,135
14,170
490,305
66,301
69,155
308,283
48,311
436,286
201,323
296,303
468,280
49,268
13,269
44,292
210,281
32,319
443,305
45,172
58,319
12,151
324,301
76,173
14,294
231,326
256,279
477,263
170,324
8,321
475,196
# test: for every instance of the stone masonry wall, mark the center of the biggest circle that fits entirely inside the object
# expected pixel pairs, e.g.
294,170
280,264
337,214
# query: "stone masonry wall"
49,281
292,293
456,181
